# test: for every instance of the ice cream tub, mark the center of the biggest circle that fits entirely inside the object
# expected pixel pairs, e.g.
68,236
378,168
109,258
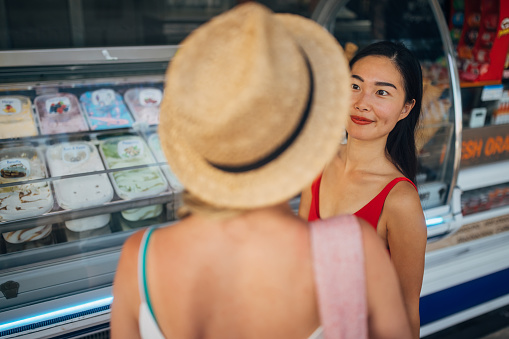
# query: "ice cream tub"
132,223
82,191
122,152
24,200
142,213
127,151
25,239
59,113
16,118
90,233
144,104
27,234
155,145
105,109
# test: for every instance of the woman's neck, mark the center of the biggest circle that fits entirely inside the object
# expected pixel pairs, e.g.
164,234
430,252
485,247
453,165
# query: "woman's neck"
282,209
265,220
364,155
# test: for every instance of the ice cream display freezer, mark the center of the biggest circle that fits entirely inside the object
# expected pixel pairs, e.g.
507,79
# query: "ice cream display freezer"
89,175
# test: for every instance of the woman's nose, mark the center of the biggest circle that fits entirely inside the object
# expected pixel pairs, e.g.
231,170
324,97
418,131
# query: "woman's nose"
361,102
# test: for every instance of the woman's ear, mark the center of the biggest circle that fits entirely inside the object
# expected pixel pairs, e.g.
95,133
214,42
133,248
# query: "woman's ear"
407,108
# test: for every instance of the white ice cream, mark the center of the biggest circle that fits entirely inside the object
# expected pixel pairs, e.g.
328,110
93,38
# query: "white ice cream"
83,191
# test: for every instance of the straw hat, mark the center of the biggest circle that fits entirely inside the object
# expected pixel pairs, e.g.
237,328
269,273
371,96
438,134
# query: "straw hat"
254,107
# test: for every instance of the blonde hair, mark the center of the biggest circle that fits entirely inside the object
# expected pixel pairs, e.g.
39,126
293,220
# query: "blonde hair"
192,205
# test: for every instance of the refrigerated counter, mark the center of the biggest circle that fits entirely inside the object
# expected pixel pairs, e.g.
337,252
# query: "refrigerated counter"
75,182
105,72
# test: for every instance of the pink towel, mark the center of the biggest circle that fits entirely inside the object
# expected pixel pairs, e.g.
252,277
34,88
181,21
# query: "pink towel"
338,260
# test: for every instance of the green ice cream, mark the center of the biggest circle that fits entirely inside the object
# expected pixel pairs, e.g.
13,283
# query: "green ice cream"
122,152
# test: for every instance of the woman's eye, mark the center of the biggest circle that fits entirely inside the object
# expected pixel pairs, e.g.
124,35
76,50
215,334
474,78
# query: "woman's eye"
354,86
382,92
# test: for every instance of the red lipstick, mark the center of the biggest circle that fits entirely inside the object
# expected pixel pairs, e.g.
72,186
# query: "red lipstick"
360,120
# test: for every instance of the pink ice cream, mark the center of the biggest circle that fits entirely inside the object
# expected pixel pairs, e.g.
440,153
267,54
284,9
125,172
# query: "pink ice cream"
144,104
59,113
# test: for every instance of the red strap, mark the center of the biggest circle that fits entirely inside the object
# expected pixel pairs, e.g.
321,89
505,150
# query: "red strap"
372,210
338,261
314,210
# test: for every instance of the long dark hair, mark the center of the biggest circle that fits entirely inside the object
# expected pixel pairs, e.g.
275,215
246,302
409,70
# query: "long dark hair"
400,146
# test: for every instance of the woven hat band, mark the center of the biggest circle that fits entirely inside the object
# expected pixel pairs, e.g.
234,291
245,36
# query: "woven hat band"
280,149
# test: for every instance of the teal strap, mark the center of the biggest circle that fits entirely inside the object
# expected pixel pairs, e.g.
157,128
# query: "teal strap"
144,277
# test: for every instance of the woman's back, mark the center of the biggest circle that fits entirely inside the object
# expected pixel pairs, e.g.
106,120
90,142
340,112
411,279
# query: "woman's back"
249,277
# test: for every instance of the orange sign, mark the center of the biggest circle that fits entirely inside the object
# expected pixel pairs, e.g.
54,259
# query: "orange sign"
485,145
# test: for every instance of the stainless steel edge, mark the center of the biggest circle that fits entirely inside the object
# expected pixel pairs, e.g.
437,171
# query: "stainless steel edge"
77,82
455,89
83,56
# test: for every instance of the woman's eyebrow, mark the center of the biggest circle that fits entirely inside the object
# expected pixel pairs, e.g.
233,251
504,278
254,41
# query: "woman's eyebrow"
378,83
381,83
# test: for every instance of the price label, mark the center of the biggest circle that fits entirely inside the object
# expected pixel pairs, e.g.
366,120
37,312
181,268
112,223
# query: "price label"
491,93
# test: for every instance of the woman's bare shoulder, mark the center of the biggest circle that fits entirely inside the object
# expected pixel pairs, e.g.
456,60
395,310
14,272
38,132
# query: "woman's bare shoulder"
403,207
132,244
403,191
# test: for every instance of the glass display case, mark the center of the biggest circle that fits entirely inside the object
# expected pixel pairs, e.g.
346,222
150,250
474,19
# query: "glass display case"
80,162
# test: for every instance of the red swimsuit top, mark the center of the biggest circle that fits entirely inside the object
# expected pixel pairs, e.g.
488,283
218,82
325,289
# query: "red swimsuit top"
371,212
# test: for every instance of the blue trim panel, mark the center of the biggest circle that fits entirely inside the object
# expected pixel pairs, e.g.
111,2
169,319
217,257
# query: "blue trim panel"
463,296
52,321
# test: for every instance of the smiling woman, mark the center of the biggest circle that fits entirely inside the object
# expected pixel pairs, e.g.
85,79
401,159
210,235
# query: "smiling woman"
379,98
373,174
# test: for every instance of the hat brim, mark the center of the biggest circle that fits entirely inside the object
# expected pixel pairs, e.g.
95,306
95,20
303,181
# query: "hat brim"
294,169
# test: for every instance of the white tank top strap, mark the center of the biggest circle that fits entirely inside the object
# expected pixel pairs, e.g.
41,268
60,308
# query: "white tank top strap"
141,263
317,334
149,329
